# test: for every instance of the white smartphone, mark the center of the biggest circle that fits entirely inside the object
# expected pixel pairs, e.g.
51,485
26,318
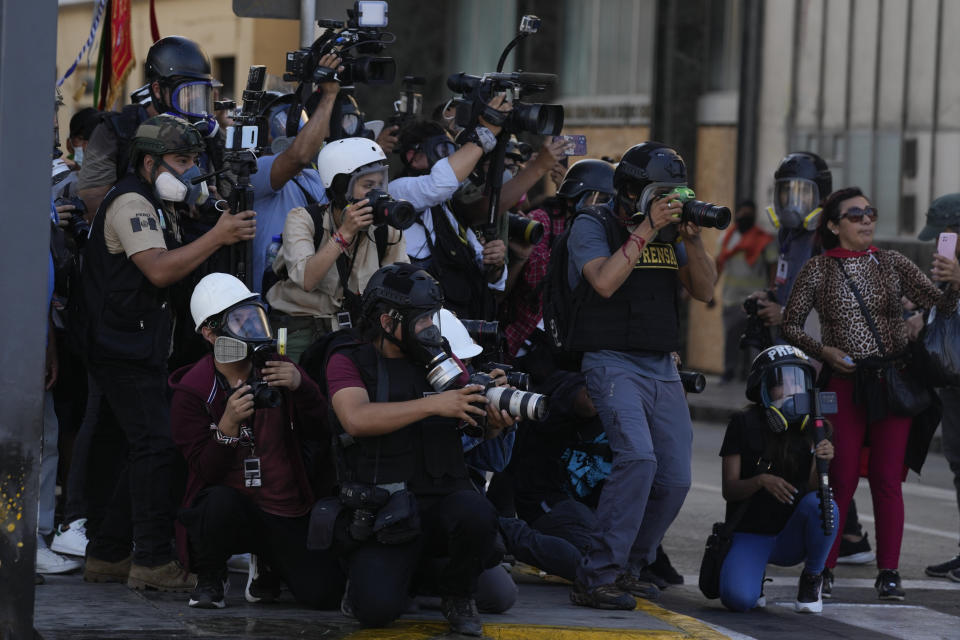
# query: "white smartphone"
947,244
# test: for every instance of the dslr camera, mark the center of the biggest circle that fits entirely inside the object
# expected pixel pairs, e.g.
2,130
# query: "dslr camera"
77,225
399,214
523,229
357,41
524,405
702,214
477,91
757,334
516,379
264,396
365,500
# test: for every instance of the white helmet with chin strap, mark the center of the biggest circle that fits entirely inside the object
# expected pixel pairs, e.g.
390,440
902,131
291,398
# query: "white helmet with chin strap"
350,158
216,293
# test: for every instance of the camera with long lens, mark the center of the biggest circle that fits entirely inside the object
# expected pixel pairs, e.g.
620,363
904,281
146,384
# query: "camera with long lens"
399,214
357,41
517,379
364,500
702,214
523,229
477,91
523,405
693,381
486,334
78,226
756,335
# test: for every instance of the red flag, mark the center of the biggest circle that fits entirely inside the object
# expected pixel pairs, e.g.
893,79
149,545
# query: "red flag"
121,54
154,29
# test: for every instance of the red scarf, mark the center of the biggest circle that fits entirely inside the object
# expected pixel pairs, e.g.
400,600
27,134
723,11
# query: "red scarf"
840,252
752,243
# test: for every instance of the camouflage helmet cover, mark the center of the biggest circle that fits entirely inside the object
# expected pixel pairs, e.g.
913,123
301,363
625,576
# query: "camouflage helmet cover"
165,134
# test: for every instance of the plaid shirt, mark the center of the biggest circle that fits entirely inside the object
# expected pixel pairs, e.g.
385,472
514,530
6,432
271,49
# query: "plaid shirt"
527,300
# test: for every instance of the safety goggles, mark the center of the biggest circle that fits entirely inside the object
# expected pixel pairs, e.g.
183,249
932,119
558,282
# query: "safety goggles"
193,98
856,214
371,176
782,383
436,148
246,321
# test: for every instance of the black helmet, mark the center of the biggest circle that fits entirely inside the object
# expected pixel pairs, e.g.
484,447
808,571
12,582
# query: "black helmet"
775,359
176,56
643,169
401,288
587,175
801,182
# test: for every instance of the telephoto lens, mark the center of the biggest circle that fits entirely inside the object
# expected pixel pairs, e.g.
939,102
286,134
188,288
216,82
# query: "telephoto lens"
523,229
693,381
524,405
706,214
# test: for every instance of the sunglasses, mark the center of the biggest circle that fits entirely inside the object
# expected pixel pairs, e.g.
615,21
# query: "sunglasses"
856,214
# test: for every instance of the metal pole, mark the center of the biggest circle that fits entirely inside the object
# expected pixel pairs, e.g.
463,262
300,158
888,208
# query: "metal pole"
28,31
308,19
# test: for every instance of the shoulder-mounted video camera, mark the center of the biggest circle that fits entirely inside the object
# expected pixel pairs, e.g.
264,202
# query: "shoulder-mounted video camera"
477,91
357,41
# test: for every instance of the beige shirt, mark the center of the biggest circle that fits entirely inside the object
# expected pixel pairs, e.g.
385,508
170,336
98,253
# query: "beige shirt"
133,225
326,299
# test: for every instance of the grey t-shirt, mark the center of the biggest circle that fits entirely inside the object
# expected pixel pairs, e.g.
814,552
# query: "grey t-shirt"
588,241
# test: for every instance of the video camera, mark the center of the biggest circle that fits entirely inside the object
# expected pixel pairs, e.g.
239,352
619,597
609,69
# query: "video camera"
477,91
357,41
410,104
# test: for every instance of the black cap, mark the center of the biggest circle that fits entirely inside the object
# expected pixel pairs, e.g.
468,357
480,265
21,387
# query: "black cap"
943,212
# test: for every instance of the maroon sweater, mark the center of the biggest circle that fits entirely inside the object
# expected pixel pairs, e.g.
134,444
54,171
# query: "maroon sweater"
200,400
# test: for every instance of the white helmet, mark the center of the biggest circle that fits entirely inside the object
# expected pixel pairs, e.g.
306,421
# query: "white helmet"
456,334
215,293
345,156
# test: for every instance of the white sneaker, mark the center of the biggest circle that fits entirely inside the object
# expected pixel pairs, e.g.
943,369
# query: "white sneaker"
73,540
50,562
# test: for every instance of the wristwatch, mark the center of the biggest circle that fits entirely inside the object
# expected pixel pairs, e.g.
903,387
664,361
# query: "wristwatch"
482,137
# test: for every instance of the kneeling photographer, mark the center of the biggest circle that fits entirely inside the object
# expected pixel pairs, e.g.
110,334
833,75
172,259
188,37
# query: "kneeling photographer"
405,489
239,418
770,482
330,251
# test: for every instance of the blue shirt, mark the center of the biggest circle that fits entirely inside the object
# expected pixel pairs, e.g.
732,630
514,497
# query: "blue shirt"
588,241
489,455
272,207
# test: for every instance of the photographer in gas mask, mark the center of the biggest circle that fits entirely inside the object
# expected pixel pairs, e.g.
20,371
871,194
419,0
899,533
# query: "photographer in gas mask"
122,320
401,456
330,251
630,255
239,416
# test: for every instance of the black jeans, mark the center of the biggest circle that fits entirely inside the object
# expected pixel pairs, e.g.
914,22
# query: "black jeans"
76,506
142,506
461,526
223,522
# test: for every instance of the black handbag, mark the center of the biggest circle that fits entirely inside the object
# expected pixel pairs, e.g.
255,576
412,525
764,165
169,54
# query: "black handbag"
716,550
903,392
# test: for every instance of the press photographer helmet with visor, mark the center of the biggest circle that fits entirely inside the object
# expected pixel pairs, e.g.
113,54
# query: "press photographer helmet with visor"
646,172
182,70
411,297
235,314
802,180
587,182
350,168
781,379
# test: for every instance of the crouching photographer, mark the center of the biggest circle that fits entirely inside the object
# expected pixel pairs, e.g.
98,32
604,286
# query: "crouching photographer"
405,489
779,509
239,418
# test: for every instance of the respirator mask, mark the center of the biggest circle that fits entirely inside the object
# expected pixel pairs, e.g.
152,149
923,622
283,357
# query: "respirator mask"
429,348
795,204
243,331
179,187
785,392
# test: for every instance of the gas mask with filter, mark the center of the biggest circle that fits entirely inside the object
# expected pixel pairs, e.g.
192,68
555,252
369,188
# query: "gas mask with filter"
243,331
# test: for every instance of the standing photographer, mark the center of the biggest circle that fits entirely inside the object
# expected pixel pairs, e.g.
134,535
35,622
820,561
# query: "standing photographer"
124,323
404,456
238,421
287,180
627,325
326,266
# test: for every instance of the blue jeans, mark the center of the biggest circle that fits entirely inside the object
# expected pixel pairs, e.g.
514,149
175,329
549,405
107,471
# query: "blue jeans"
647,422
801,540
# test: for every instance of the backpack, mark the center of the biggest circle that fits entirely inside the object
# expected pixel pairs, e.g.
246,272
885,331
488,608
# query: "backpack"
314,358
316,211
560,302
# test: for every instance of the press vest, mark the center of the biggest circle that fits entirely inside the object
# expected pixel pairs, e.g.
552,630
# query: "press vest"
426,455
642,314
124,124
125,316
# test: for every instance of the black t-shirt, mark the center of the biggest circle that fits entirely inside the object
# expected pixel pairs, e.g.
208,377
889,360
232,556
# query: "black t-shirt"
749,436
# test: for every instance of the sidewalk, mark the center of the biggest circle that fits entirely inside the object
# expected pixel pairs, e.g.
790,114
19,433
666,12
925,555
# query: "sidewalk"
69,609
717,401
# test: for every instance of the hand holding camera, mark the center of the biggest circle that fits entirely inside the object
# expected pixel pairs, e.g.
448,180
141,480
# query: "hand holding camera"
496,112
461,403
233,229
239,409
665,211
281,373
329,63
357,216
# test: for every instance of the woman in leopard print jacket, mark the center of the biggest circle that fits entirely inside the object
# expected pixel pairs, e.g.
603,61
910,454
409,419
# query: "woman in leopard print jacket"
846,231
